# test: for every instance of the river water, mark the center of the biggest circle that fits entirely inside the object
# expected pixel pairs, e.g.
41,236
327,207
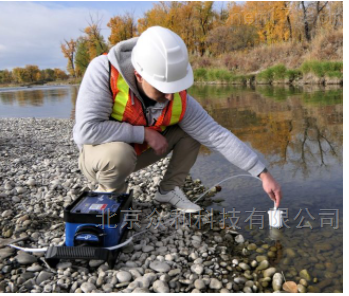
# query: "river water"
297,132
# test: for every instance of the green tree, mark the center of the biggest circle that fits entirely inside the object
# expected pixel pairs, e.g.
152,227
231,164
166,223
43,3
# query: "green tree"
82,57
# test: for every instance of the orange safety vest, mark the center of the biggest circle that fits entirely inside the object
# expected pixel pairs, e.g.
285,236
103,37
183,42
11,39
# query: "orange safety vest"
125,111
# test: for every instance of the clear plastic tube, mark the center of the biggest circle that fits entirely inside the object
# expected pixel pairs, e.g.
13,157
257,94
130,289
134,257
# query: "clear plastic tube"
29,249
220,182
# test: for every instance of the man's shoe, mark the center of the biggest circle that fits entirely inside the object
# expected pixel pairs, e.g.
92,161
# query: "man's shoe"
177,198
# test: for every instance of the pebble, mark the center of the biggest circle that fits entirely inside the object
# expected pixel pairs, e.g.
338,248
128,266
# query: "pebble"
244,266
123,276
252,247
95,263
239,239
7,213
215,284
174,272
63,265
147,249
159,266
269,272
240,280
301,288
25,258
197,268
6,252
277,282
263,265
43,276
87,287
199,284
160,287
305,275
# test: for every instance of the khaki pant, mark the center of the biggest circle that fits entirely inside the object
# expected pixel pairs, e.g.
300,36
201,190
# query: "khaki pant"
109,164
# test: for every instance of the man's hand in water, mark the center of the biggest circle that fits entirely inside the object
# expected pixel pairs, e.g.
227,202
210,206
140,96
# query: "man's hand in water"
271,187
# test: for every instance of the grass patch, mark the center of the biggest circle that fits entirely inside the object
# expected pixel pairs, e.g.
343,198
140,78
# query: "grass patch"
320,69
293,74
200,74
335,74
273,73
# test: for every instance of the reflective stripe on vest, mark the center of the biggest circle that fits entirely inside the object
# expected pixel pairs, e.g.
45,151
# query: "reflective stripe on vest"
121,100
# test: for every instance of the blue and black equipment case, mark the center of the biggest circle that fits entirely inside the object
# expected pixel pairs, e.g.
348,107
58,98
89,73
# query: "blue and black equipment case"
93,221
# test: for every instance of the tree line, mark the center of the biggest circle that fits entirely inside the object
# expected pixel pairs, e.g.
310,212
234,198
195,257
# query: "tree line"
212,31
31,74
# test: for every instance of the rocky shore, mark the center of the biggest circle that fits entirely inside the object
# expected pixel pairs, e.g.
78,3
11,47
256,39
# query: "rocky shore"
40,176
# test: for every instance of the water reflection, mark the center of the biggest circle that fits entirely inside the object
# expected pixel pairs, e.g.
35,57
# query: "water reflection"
44,101
287,125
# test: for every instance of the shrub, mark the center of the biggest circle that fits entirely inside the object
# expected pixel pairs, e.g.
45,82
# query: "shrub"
200,74
335,74
279,71
321,68
293,74
267,74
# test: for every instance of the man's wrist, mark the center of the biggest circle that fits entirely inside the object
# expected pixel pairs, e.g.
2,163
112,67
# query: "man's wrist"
263,172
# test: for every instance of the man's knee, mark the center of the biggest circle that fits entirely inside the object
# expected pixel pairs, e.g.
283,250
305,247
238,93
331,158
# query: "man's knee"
116,156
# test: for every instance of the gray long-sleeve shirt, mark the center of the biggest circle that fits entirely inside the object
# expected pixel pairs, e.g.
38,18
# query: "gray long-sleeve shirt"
94,107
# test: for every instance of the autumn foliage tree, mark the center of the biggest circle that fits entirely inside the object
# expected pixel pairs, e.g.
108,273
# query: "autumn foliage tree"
212,28
122,28
69,50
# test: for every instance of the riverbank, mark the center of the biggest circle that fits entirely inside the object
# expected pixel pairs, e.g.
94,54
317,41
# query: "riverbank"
72,81
309,73
41,176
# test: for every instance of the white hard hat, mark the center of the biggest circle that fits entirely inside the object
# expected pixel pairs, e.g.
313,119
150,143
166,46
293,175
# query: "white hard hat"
161,58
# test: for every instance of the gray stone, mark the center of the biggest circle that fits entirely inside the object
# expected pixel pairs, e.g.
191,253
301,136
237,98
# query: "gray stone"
215,284
197,268
247,290
29,284
159,266
161,287
63,265
123,276
35,267
174,272
151,277
199,284
140,290
7,213
147,249
6,252
239,239
95,263
25,258
87,287
43,276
